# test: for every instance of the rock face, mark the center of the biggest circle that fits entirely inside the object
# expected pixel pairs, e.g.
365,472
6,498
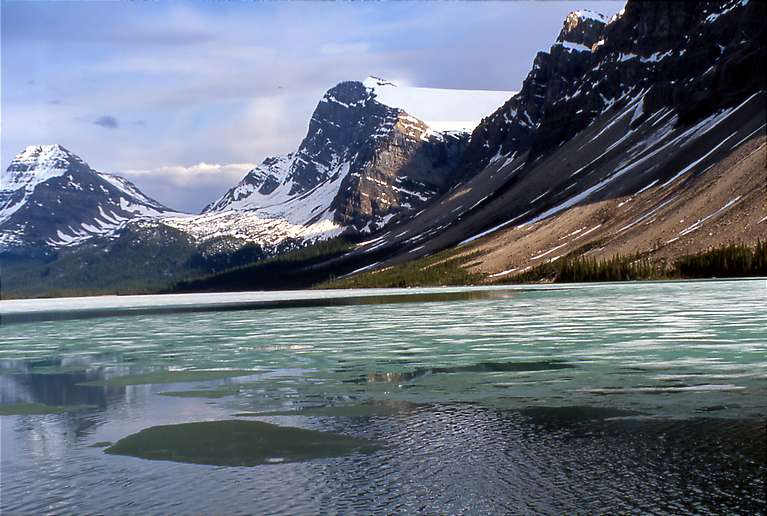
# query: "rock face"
512,129
51,198
693,58
645,103
361,164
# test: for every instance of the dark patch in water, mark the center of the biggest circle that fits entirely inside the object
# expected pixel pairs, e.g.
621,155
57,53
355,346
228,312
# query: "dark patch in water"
38,409
160,377
237,443
51,388
483,367
713,408
204,393
497,367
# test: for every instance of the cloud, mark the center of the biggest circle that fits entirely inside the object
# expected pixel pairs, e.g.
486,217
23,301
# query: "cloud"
109,23
188,188
107,121
183,175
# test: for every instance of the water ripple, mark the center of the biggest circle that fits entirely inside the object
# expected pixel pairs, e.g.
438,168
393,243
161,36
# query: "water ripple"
687,359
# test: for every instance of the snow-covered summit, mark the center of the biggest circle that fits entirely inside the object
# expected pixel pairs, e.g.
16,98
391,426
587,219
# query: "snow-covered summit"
50,197
37,164
585,14
374,150
441,109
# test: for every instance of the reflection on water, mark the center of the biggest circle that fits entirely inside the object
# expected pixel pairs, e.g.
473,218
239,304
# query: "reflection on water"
485,367
621,398
50,388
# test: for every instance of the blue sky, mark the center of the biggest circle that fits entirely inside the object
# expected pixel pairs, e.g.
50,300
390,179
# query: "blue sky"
184,97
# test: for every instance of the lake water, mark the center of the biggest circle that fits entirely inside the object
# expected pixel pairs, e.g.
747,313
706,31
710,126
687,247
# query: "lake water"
600,398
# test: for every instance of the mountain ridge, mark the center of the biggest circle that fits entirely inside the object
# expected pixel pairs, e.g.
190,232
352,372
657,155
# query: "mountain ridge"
362,164
632,135
50,197
635,130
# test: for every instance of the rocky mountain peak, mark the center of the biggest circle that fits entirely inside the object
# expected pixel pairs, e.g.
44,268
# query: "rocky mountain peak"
345,118
365,160
582,28
37,164
348,94
43,151
678,55
51,198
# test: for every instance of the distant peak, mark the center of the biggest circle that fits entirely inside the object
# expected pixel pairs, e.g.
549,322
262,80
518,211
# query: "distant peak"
36,164
43,150
48,153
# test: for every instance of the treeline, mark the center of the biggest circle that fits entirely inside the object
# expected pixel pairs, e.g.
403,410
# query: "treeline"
132,264
583,269
730,261
441,269
294,269
726,261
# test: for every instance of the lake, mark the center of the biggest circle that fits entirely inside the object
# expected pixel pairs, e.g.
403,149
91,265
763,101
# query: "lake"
626,397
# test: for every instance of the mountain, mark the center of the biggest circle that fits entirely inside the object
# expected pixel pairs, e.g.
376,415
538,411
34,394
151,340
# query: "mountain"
50,198
365,162
639,134
642,135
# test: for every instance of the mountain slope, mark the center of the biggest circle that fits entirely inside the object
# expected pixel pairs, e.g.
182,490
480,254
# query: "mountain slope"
726,204
661,96
51,198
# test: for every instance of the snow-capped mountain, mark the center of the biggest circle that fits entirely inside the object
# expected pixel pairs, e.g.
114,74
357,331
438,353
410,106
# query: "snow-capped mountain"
49,197
364,161
644,133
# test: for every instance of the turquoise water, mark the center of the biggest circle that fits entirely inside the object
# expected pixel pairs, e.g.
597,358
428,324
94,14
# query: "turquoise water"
600,398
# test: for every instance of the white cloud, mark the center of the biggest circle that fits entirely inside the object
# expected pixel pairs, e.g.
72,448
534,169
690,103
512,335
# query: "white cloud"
188,187
201,172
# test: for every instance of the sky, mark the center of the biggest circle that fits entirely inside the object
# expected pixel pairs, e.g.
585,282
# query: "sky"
183,98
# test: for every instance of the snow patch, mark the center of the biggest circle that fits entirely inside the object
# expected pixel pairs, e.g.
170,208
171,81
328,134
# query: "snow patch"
572,47
702,221
440,108
586,14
